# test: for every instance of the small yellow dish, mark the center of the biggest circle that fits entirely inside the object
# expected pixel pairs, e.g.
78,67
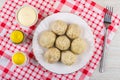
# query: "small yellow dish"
17,36
19,58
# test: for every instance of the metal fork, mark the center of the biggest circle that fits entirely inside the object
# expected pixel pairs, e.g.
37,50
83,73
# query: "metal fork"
107,22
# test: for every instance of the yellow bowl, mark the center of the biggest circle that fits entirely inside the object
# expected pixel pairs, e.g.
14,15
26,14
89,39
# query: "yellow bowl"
17,36
19,58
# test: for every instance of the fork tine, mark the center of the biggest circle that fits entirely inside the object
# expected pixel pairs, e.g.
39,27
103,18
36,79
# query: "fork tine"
111,9
108,14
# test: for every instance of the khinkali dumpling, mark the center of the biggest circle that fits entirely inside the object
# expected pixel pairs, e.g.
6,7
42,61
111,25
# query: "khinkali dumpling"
62,43
73,31
47,39
68,58
52,55
78,45
59,27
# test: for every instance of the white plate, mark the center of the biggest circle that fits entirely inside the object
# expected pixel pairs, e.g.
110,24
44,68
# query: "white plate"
60,68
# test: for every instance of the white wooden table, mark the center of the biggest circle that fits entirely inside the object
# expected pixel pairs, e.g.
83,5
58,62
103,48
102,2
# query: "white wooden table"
113,54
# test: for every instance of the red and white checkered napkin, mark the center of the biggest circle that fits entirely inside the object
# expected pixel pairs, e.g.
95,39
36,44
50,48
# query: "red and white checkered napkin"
91,12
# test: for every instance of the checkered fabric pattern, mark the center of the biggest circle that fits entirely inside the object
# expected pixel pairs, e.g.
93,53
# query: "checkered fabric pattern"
91,12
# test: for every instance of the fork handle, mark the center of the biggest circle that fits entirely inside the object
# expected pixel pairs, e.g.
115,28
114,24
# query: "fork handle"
102,61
